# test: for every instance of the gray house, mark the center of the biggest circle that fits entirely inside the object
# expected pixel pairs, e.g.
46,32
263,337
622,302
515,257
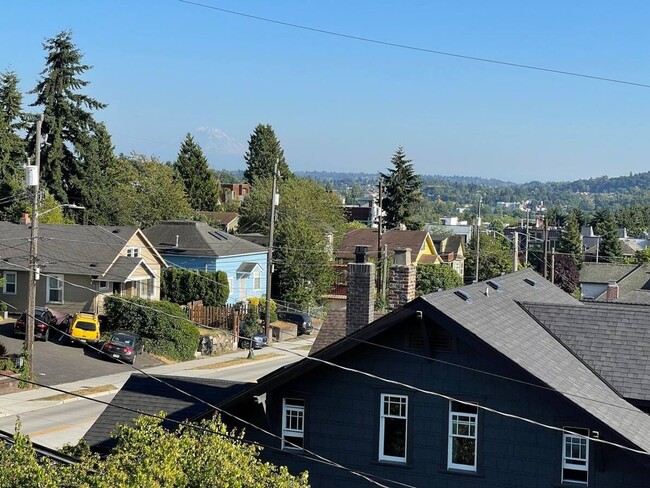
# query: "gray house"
457,388
628,283
79,265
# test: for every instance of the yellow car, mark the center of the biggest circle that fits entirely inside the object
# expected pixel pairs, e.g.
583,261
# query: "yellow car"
84,327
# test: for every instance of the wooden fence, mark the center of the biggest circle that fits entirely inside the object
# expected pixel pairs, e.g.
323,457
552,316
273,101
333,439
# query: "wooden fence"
226,317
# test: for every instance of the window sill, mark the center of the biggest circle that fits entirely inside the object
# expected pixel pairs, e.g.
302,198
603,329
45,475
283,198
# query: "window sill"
462,472
392,464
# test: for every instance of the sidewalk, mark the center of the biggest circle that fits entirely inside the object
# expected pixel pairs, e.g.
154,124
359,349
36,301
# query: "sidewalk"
36,399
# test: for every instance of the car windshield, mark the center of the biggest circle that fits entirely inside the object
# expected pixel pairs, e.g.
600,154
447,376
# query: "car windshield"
123,340
85,325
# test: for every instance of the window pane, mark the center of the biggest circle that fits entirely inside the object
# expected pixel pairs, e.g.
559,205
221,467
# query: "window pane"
463,451
395,437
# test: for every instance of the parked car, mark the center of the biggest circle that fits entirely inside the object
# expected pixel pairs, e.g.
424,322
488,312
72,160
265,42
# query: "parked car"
302,320
44,318
259,340
84,327
124,346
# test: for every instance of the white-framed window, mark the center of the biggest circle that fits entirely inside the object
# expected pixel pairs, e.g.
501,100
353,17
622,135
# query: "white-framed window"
231,285
393,428
257,280
10,282
144,288
463,430
132,252
575,455
54,289
293,424
103,285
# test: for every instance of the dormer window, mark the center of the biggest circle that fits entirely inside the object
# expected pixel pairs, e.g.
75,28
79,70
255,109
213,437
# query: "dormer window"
132,252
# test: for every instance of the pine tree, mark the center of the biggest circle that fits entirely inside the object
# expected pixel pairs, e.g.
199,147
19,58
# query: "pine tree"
570,241
68,119
402,191
610,245
263,151
201,186
12,146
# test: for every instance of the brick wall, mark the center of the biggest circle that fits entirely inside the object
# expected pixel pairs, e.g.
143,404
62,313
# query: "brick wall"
401,288
360,306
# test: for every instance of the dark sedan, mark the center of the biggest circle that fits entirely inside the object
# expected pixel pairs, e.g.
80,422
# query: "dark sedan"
44,318
259,340
302,320
124,346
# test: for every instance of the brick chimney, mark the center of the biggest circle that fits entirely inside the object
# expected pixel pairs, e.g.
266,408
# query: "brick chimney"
612,291
360,306
401,287
25,220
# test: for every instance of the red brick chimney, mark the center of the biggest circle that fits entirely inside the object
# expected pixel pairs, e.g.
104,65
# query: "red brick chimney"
401,288
25,220
360,305
612,291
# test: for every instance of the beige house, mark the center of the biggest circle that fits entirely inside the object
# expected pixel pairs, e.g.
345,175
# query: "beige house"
79,265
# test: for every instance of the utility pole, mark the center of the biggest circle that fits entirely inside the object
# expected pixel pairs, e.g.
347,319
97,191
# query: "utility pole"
478,236
33,263
553,266
515,245
527,233
384,272
545,247
379,231
269,265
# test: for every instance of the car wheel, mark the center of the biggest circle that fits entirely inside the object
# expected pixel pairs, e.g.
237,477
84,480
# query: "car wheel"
46,336
133,359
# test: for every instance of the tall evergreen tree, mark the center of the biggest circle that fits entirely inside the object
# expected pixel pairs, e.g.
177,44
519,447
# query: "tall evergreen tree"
201,185
12,146
68,118
402,191
570,241
610,245
263,151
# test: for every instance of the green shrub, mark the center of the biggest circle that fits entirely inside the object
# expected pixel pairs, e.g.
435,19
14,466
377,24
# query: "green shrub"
184,286
260,304
162,325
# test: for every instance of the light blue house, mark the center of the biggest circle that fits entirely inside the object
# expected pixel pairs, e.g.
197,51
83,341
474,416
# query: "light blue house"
196,245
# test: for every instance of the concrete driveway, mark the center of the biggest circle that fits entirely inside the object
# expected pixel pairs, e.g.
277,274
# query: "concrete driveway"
56,362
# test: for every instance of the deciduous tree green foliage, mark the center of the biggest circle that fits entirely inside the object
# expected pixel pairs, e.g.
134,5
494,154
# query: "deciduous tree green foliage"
402,192
570,241
495,257
148,455
610,245
51,212
68,115
144,192
162,325
434,277
183,286
636,219
642,256
306,215
263,151
201,185
12,146
567,275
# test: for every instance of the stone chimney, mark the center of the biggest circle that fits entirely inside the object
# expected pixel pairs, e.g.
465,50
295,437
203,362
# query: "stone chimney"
360,306
25,220
612,291
401,287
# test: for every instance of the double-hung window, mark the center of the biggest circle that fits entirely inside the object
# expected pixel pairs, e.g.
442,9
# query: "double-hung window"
393,428
55,289
257,280
231,285
10,282
463,425
293,424
132,252
575,455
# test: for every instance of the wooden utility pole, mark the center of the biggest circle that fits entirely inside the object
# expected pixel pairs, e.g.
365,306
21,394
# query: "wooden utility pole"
379,232
545,247
478,236
515,245
33,262
384,272
269,258
553,266
527,234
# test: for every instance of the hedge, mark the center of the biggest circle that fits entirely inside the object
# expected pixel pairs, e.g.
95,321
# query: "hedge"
162,325
184,286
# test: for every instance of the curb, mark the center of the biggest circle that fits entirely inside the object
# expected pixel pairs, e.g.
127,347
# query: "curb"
52,403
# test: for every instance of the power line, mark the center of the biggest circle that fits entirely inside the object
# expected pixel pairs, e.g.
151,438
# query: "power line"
416,48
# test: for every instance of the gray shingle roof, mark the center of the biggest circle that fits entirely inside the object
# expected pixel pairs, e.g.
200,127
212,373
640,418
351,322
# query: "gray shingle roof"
198,239
148,395
612,338
604,272
64,249
501,323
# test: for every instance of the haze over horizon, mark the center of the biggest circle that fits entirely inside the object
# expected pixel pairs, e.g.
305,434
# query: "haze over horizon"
336,103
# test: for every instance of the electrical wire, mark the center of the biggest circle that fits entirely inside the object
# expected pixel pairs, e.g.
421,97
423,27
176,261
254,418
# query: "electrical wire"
416,48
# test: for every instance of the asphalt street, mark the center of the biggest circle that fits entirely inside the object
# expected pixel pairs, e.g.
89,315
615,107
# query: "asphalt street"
56,362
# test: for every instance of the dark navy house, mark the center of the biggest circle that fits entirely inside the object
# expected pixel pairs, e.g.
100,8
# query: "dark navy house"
461,388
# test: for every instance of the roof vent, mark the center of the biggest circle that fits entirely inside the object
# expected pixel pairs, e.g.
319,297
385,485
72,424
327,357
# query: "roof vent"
493,284
464,295
530,282
93,265
115,231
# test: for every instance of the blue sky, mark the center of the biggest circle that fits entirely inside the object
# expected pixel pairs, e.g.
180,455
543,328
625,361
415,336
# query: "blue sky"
166,68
